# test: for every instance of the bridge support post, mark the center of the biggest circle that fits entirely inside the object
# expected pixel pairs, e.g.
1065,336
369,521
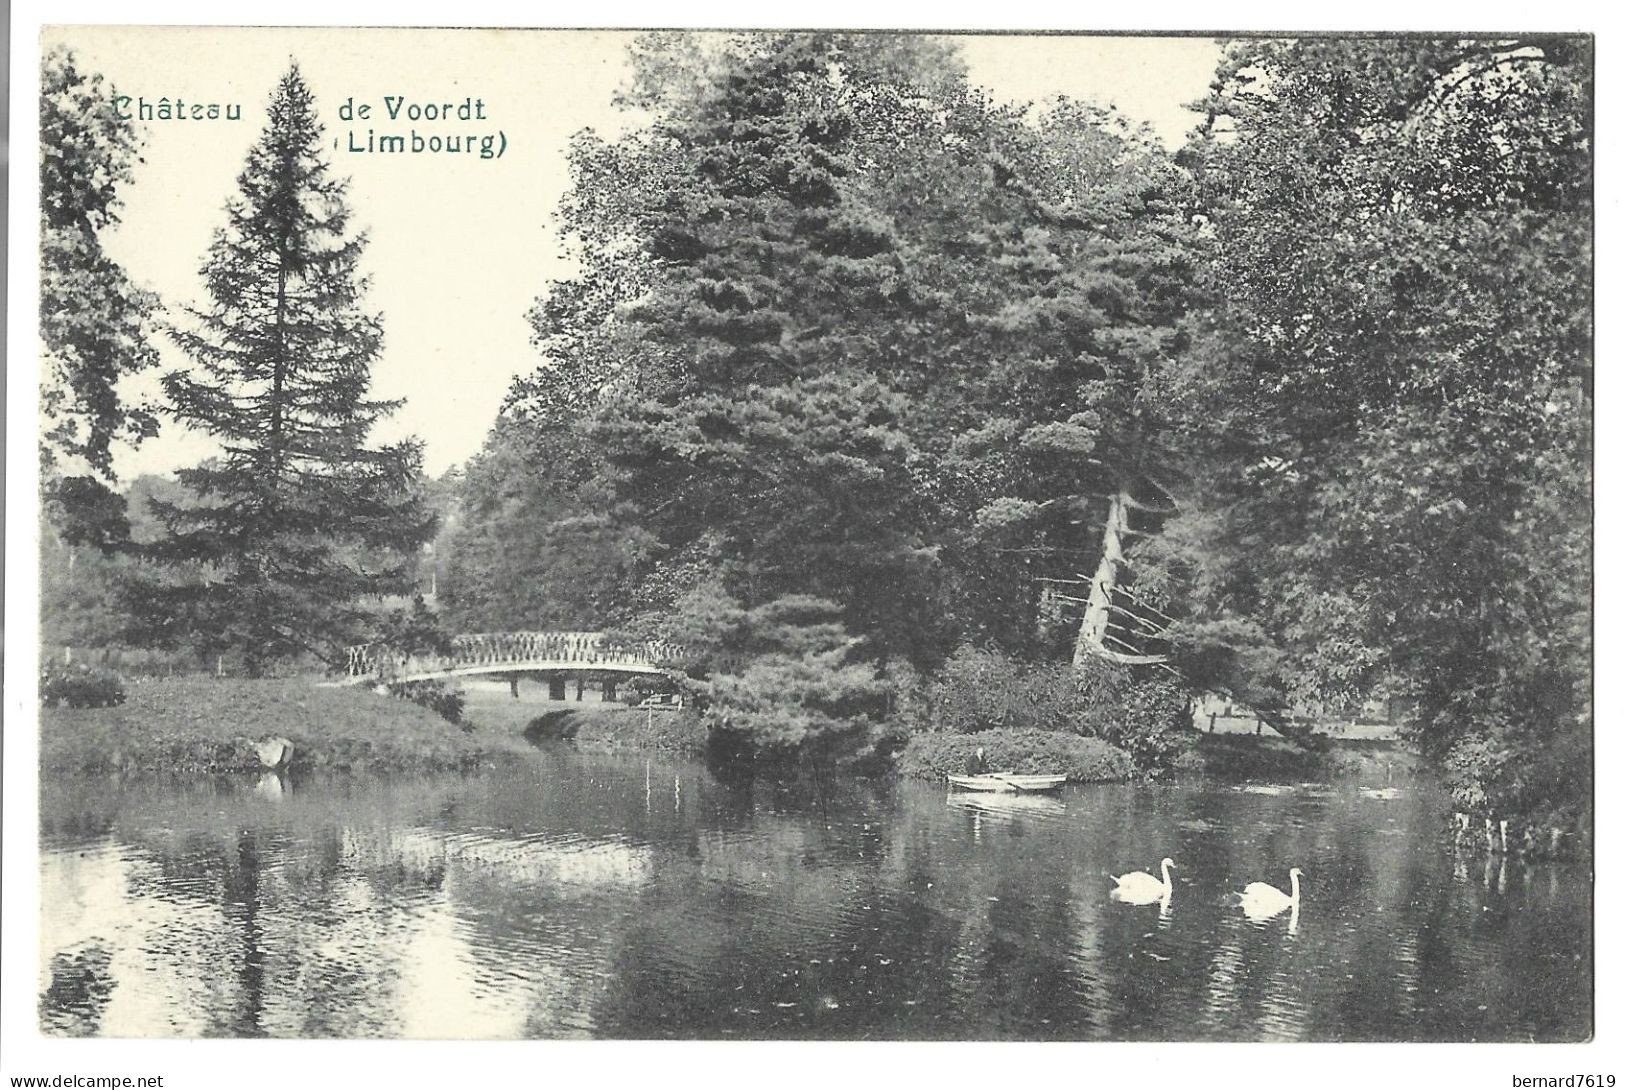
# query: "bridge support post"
581,686
555,688
609,692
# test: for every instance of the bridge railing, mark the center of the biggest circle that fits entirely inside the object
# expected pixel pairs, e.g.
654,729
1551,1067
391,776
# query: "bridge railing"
586,649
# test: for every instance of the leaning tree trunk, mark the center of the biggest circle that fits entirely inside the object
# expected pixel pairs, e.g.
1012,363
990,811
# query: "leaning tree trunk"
1097,613
1117,623
1104,614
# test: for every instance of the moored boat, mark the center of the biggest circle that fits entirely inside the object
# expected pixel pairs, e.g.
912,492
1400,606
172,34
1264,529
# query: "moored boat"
1008,781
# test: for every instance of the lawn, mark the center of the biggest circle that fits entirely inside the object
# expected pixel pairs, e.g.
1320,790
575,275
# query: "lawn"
206,724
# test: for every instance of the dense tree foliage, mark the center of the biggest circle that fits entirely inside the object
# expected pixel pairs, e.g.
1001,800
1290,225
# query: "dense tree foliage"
753,420
866,387
81,576
844,330
531,543
300,518
94,322
781,678
1392,483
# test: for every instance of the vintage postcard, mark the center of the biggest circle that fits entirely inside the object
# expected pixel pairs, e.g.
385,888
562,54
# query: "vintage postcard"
812,535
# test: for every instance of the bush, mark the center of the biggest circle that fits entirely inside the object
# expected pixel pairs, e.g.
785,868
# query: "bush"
1472,769
415,630
979,689
1084,760
1150,722
79,686
785,680
444,700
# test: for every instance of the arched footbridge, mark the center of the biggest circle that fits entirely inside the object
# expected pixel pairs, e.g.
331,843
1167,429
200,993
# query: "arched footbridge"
510,653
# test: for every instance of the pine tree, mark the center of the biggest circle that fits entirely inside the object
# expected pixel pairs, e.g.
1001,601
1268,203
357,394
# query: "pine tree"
299,519
1074,276
853,332
751,418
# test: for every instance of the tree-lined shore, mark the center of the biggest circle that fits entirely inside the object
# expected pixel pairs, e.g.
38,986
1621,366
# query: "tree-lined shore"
907,412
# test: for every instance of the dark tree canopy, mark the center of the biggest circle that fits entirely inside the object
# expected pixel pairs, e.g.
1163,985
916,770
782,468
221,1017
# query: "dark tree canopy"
847,331
844,332
860,373
1393,486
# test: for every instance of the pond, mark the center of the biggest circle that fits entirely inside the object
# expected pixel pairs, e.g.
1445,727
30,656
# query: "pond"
592,895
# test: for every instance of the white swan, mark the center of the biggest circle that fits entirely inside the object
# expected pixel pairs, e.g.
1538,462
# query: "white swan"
1141,888
1260,900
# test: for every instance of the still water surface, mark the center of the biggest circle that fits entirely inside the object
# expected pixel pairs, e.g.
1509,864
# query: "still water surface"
587,895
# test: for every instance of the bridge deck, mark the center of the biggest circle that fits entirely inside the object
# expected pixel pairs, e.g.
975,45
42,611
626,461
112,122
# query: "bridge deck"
513,653
539,667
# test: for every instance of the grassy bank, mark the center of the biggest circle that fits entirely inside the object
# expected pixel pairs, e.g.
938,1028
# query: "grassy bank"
206,724
615,727
197,723
1084,760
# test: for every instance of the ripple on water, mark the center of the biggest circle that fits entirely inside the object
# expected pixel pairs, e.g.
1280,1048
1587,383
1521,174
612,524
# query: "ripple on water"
497,906
1012,812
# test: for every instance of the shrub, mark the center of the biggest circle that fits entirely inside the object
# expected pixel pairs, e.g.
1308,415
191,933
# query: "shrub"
785,680
1149,721
979,689
444,700
79,686
415,630
1471,771
1084,760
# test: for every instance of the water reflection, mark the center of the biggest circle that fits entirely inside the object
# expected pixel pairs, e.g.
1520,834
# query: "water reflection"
272,786
583,895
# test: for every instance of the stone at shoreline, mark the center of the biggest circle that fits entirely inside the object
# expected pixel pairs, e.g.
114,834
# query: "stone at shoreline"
275,753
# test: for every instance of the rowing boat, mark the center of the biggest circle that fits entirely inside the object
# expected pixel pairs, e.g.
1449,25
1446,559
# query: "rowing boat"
1006,781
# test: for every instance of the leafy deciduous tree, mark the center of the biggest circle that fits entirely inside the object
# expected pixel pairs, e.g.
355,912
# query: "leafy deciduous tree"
95,323
1395,474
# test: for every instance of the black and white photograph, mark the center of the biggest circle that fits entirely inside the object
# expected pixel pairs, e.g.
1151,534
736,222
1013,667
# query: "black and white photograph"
804,535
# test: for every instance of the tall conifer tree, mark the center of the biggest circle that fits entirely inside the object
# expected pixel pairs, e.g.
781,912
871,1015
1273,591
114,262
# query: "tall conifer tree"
762,432
299,519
